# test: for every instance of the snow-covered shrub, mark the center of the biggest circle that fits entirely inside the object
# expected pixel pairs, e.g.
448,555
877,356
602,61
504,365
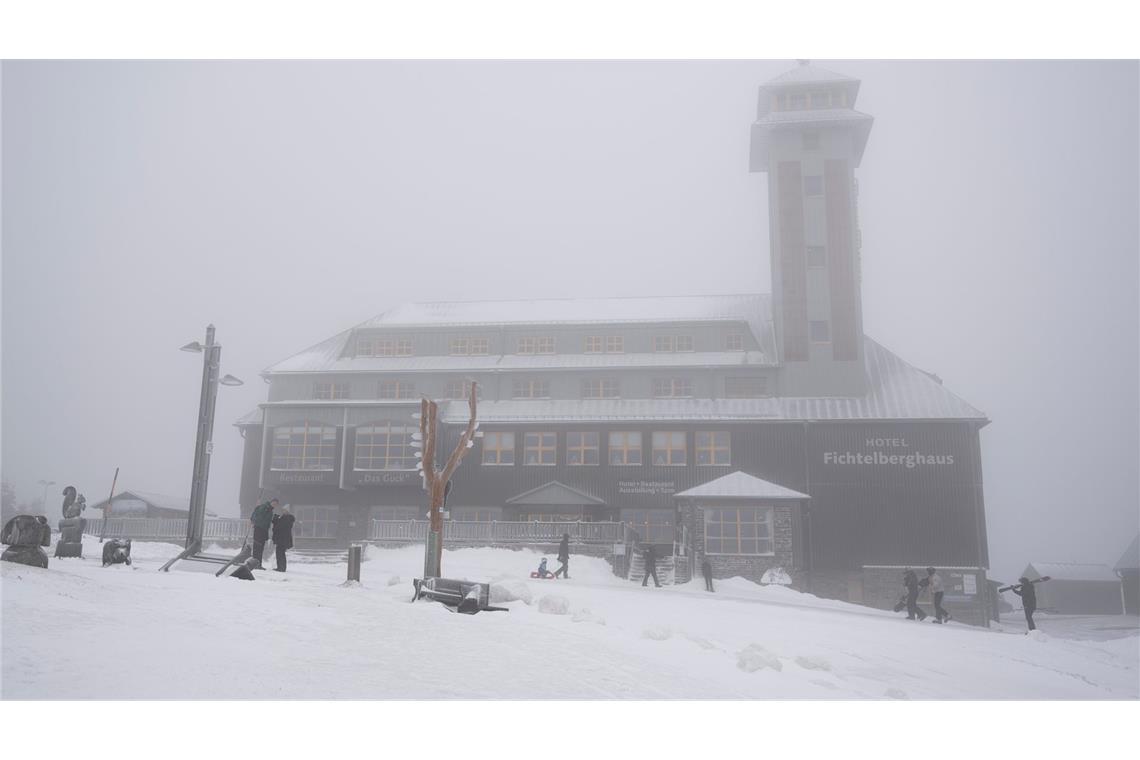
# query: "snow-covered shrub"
755,657
509,591
553,604
657,632
585,616
813,663
394,581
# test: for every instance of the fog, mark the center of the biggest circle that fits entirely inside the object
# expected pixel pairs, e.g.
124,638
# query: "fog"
285,202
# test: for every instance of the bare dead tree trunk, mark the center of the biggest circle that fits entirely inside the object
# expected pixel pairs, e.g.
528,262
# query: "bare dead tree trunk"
435,481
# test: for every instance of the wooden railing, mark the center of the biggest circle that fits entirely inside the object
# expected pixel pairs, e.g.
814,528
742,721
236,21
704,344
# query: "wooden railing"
499,532
218,529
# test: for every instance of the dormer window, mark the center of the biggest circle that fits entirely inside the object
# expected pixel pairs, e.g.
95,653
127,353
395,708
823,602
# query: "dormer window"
470,346
734,342
383,346
670,343
530,344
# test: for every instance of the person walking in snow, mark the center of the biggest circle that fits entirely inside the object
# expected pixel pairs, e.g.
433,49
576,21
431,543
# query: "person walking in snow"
933,581
650,555
564,557
261,518
283,535
910,581
706,570
1028,596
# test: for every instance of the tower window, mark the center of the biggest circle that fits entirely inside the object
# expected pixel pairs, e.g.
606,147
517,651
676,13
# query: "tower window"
734,342
816,256
811,140
820,332
813,185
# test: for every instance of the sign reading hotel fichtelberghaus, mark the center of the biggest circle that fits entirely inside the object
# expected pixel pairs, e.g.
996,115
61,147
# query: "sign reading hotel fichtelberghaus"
888,452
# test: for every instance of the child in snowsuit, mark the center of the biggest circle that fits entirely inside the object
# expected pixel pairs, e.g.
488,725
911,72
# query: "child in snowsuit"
542,571
1028,596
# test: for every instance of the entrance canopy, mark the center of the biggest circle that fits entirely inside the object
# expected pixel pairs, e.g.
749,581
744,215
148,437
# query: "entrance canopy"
554,494
741,485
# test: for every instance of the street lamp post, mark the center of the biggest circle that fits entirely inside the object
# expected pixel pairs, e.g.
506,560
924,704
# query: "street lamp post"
204,445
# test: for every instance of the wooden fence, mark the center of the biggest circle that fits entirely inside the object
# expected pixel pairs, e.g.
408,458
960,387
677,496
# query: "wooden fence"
218,529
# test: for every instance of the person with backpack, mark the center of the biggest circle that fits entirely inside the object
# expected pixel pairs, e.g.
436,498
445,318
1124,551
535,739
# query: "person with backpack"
564,557
933,581
283,535
910,581
261,518
650,566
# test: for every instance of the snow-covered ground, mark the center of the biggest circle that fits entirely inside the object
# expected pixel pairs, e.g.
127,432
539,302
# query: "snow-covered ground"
78,630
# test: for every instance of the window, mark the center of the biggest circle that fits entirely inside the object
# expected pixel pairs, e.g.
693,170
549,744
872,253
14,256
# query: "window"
456,388
663,343
303,446
474,515
470,346
684,342
745,387
713,447
397,513
397,389
813,185
498,448
653,526
601,388
734,342
816,256
669,449
530,389
540,448
625,447
820,332
317,522
796,101
330,390
668,343
593,344
615,344
672,387
384,446
811,140
581,448
536,345
373,346
739,530
821,99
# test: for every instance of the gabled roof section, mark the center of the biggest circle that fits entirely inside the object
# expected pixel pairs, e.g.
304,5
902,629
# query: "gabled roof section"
323,355
741,485
808,73
554,494
254,417
1071,571
1130,560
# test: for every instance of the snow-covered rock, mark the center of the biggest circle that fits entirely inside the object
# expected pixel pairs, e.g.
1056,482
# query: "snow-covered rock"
554,604
510,591
657,632
584,615
394,580
755,657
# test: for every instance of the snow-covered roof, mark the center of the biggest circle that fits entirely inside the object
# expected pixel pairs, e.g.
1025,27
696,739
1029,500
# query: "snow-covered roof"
1130,560
895,390
160,500
740,485
807,73
1071,571
332,354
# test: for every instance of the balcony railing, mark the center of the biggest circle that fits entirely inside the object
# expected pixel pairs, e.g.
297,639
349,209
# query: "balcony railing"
218,529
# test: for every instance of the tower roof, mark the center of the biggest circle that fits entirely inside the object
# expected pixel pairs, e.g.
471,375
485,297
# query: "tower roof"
807,73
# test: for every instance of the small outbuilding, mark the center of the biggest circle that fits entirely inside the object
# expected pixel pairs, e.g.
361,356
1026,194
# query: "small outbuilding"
1128,569
1076,588
142,504
744,525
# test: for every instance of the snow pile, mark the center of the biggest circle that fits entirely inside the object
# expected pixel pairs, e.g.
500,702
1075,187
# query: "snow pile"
510,591
657,633
394,581
553,604
755,657
584,615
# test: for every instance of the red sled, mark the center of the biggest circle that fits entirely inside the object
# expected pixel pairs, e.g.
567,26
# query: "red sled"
547,577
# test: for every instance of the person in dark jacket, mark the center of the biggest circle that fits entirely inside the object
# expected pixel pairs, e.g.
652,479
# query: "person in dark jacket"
910,580
262,518
1028,596
706,570
283,535
650,566
564,557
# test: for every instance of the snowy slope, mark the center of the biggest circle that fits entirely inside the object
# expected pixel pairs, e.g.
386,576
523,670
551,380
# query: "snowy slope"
81,631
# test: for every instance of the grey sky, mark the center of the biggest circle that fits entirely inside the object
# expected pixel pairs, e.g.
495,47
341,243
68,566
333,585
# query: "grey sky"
287,201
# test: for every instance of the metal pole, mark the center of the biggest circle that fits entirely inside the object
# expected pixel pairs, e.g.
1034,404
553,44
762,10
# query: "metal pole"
195,524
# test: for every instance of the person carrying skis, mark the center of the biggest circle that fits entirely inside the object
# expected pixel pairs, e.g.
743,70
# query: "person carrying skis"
283,535
933,581
650,566
1028,596
706,570
910,581
564,557
261,518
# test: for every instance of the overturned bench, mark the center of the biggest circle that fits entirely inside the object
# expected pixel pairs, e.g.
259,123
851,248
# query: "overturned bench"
458,596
